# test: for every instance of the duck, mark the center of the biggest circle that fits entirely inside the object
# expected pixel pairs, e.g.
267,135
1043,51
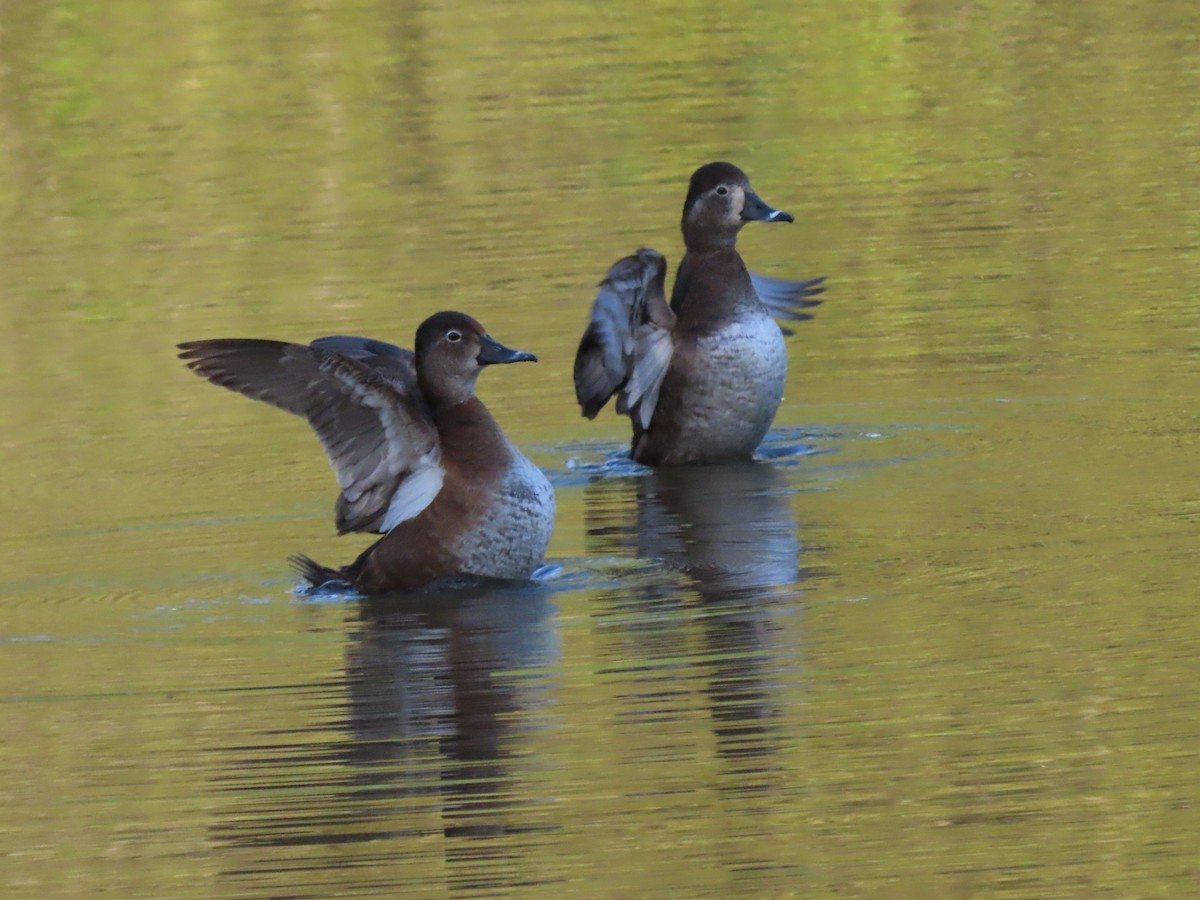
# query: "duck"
419,459
701,377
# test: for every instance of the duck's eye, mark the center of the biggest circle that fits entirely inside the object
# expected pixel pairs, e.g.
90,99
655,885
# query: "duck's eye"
454,336
722,191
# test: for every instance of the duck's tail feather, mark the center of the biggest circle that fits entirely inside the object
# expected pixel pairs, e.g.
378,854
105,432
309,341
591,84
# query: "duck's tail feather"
314,573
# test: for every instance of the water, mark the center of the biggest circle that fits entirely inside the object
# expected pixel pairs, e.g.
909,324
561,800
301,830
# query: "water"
940,641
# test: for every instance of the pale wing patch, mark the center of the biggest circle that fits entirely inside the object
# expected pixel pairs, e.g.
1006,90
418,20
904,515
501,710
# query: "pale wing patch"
398,437
630,300
415,492
653,357
388,469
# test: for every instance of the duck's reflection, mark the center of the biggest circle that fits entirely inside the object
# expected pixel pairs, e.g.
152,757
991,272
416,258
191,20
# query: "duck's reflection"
427,684
728,537
417,745
729,528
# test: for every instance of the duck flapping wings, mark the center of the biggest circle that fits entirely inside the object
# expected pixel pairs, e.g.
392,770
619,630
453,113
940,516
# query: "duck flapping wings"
627,346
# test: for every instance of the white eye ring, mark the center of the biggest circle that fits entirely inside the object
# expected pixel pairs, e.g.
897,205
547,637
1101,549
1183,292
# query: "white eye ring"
454,336
722,191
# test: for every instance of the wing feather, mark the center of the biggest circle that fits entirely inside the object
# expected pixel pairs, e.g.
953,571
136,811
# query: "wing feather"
787,299
362,401
627,345
652,359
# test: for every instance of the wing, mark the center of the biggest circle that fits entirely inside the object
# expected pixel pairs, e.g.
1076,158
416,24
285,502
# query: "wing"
376,431
785,299
627,346
396,364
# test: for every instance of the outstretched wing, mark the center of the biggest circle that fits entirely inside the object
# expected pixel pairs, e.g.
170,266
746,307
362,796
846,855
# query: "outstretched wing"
627,346
787,299
369,416
397,365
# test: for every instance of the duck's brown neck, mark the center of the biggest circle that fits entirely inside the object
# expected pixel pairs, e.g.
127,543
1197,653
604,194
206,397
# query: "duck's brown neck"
444,392
471,438
707,239
710,286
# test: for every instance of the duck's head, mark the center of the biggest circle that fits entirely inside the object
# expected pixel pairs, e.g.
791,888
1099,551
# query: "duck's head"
452,349
719,202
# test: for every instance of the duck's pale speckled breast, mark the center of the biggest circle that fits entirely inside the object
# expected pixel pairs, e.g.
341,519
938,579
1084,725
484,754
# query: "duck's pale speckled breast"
733,387
511,541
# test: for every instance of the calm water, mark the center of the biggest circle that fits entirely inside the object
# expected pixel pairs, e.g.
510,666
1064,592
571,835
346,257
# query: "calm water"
941,642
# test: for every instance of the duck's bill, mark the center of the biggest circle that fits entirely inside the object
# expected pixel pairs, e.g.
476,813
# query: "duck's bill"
755,210
492,352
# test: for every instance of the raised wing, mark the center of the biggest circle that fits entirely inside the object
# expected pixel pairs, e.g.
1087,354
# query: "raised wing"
369,417
786,299
627,346
396,364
